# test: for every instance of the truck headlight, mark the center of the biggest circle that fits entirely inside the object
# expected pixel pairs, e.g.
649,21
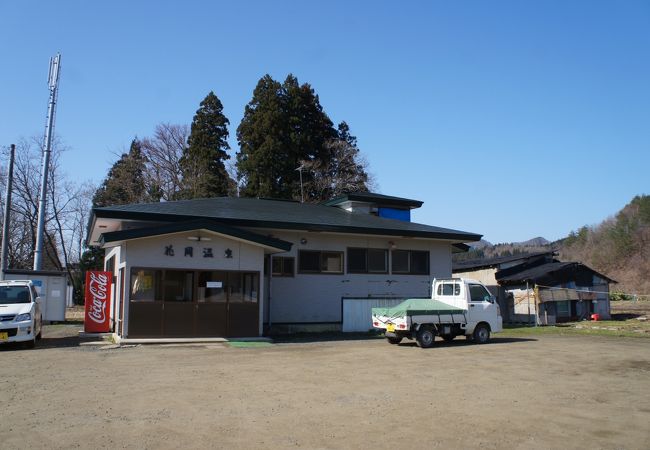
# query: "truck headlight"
23,317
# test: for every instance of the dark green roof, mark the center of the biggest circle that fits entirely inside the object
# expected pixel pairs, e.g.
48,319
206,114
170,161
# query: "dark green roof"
209,225
379,199
276,214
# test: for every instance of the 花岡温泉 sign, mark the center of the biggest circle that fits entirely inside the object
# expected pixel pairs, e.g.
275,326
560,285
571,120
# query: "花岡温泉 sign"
97,299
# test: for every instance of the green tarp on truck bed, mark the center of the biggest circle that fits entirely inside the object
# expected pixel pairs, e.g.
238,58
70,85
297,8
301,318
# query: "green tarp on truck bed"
417,307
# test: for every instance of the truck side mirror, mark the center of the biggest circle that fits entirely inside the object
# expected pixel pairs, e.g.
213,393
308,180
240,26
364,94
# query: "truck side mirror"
39,300
493,299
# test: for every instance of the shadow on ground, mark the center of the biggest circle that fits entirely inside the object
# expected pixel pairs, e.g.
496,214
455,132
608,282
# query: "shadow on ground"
333,337
460,342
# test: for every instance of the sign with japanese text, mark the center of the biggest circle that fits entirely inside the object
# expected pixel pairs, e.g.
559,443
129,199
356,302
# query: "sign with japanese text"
97,300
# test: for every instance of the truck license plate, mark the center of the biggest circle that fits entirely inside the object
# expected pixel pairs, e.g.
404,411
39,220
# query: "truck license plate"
390,327
4,336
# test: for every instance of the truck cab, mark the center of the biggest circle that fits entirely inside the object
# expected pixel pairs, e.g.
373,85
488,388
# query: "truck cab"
472,296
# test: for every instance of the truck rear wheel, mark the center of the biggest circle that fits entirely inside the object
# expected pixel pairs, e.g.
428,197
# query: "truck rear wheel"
425,338
394,339
481,333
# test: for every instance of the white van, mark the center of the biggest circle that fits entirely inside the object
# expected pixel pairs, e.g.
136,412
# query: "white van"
20,313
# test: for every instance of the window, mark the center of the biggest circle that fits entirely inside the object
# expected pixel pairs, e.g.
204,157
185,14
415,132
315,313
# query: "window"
283,266
310,261
449,289
411,262
177,286
145,285
110,265
478,293
10,295
367,260
212,287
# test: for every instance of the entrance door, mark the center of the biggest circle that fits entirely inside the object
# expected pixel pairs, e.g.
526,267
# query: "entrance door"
243,304
182,303
178,304
212,307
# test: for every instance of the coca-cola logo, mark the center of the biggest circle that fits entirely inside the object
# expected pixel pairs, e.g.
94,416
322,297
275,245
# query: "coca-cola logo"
98,288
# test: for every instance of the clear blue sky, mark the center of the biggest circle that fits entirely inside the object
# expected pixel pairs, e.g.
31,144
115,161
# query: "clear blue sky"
510,119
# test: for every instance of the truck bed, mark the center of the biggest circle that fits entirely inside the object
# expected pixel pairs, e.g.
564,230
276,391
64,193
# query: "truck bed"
434,310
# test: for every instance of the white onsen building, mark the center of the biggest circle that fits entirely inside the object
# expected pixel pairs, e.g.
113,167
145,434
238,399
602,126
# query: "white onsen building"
229,267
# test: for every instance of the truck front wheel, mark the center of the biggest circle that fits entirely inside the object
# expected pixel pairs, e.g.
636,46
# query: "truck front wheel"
425,337
481,333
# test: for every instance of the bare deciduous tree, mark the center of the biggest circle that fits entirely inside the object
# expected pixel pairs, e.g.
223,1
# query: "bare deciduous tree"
345,171
68,206
163,152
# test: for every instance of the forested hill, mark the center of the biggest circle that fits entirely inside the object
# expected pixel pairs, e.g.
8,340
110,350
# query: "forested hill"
618,247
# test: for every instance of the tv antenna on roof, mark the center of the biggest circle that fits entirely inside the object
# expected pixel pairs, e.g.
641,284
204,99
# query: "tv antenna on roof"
299,169
53,84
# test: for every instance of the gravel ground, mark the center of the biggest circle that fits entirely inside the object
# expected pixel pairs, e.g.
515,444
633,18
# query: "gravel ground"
541,392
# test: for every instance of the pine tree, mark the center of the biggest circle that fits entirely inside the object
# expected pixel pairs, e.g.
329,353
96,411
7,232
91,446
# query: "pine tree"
202,163
283,126
262,161
124,183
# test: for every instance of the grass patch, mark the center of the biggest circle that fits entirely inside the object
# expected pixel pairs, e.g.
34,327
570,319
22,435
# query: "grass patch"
612,328
249,344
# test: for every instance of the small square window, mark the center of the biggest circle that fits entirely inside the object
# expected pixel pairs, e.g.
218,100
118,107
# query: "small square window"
282,266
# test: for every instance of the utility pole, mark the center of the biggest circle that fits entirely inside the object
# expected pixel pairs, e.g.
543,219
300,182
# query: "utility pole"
53,83
5,225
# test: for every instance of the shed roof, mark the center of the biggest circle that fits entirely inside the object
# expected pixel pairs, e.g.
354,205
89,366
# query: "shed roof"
549,272
276,214
473,264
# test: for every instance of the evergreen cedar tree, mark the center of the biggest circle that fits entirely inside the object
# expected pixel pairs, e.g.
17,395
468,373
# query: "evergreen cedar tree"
284,127
124,183
202,163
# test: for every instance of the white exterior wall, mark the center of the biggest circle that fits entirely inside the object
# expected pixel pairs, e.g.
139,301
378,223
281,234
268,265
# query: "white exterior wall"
485,276
316,298
150,253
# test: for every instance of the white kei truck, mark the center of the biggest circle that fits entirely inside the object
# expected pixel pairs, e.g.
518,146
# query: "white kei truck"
457,307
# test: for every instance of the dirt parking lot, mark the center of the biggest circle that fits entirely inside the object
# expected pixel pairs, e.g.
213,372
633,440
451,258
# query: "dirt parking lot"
541,392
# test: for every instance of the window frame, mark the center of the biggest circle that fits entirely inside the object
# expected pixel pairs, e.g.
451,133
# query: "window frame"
322,262
483,300
366,251
410,262
283,273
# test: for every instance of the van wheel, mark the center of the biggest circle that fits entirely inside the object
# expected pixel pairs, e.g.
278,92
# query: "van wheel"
425,338
481,333
394,340
448,337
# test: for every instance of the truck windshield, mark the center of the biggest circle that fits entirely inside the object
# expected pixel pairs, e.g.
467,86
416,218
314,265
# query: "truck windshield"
14,294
